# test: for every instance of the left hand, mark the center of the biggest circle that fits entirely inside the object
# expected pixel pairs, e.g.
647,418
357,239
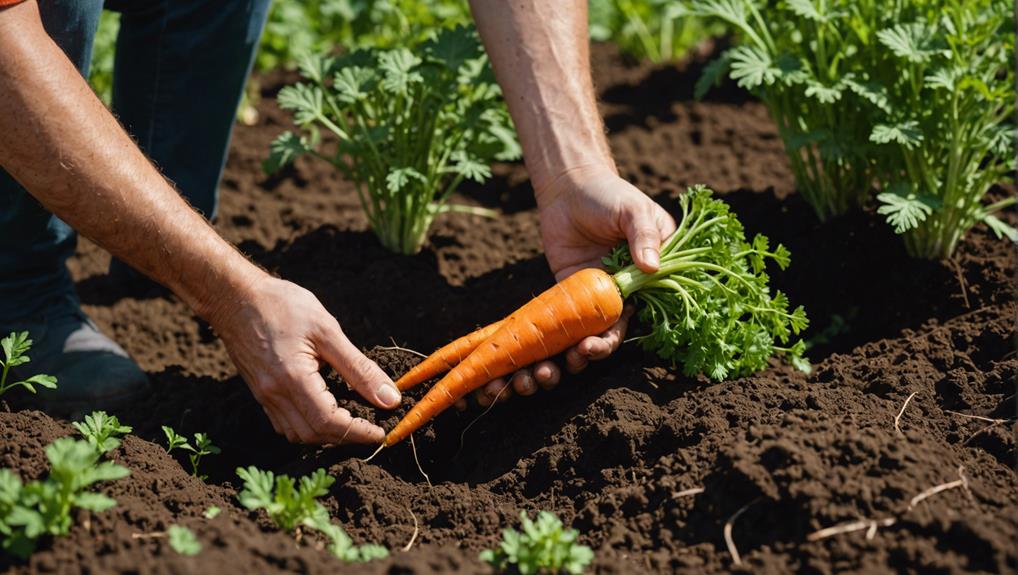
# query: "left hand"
584,213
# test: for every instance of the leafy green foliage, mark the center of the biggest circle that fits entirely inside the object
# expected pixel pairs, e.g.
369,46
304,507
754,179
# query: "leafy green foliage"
16,347
709,306
31,510
657,30
913,96
288,503
411,127
202,446
544,546
313,26
292,504
793,55
946,136
340,544
101,431
212,512
183,541
104,48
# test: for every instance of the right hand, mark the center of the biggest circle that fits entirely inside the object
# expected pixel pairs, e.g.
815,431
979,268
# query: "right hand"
279,335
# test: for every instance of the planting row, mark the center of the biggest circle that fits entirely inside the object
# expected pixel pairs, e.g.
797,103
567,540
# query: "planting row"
44,508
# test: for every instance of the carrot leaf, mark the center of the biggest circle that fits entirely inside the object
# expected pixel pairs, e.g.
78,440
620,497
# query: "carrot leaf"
709,306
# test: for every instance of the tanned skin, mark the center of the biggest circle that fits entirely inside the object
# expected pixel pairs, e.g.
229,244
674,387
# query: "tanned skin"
70,153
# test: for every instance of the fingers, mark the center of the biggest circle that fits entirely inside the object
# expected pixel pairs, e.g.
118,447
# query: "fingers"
646,226
363,375
547,374
523,383
598,347
498,390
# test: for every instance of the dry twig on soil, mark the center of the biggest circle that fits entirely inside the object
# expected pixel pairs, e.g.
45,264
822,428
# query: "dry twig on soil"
897,420
961,482
688,492
732,549
413,537
870,525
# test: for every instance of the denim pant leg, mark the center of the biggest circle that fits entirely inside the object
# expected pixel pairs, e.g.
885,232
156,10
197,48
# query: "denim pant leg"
179,73
35,244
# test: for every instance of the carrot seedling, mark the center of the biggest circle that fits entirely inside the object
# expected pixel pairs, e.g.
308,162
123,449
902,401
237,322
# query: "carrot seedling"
29,511
202,446
411,125
708,307
183,541
101,431
16,347
293,504
544,546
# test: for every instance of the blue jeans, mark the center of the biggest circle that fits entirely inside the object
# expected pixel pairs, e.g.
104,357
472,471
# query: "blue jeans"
179,73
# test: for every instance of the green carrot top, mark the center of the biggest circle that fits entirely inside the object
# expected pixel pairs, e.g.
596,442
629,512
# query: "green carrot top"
709,305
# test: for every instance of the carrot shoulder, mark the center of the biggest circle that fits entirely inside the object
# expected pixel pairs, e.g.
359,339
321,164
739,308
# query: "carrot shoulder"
584,304
446,357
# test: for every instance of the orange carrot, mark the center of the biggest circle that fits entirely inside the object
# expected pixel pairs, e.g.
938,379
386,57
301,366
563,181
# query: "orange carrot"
584,304
446,358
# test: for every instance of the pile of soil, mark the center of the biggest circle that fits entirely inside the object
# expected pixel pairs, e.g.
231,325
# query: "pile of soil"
648,464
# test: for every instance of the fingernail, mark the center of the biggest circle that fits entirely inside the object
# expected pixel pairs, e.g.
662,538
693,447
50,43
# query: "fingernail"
650,256
388,395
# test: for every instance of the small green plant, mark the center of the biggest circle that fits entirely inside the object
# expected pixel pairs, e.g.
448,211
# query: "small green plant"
911,98
212,512
287,503
202,446
411,126
31,510
294,504
101,431
104,49
340,544
297,28
656,30
945,124
16,347
796,57
183,541
544,546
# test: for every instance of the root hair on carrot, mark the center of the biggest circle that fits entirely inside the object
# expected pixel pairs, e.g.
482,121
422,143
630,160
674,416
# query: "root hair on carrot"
396,347
463,434
413,448
372,456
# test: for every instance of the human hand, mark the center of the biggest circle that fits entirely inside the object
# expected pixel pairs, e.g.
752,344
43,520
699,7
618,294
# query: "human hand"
584,213
279,335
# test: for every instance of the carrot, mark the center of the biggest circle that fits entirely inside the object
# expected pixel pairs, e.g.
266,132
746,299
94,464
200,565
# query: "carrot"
708,307
446,357
584,304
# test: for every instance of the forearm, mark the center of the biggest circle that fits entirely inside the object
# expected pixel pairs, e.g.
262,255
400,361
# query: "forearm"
540,54
68,151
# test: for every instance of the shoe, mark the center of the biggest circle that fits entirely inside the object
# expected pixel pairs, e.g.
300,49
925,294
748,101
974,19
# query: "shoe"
92,371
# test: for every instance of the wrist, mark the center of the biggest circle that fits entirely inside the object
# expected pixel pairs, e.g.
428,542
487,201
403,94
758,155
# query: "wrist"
548,188
226,291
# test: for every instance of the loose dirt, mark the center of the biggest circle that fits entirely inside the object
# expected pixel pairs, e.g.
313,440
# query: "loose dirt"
622,451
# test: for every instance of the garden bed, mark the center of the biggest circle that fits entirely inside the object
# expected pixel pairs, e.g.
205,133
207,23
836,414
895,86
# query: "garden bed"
621,451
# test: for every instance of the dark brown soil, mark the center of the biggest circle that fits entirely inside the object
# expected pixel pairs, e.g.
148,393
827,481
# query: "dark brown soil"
612,450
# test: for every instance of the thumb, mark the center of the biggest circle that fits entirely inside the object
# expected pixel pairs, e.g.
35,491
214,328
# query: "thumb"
644,238
362,374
